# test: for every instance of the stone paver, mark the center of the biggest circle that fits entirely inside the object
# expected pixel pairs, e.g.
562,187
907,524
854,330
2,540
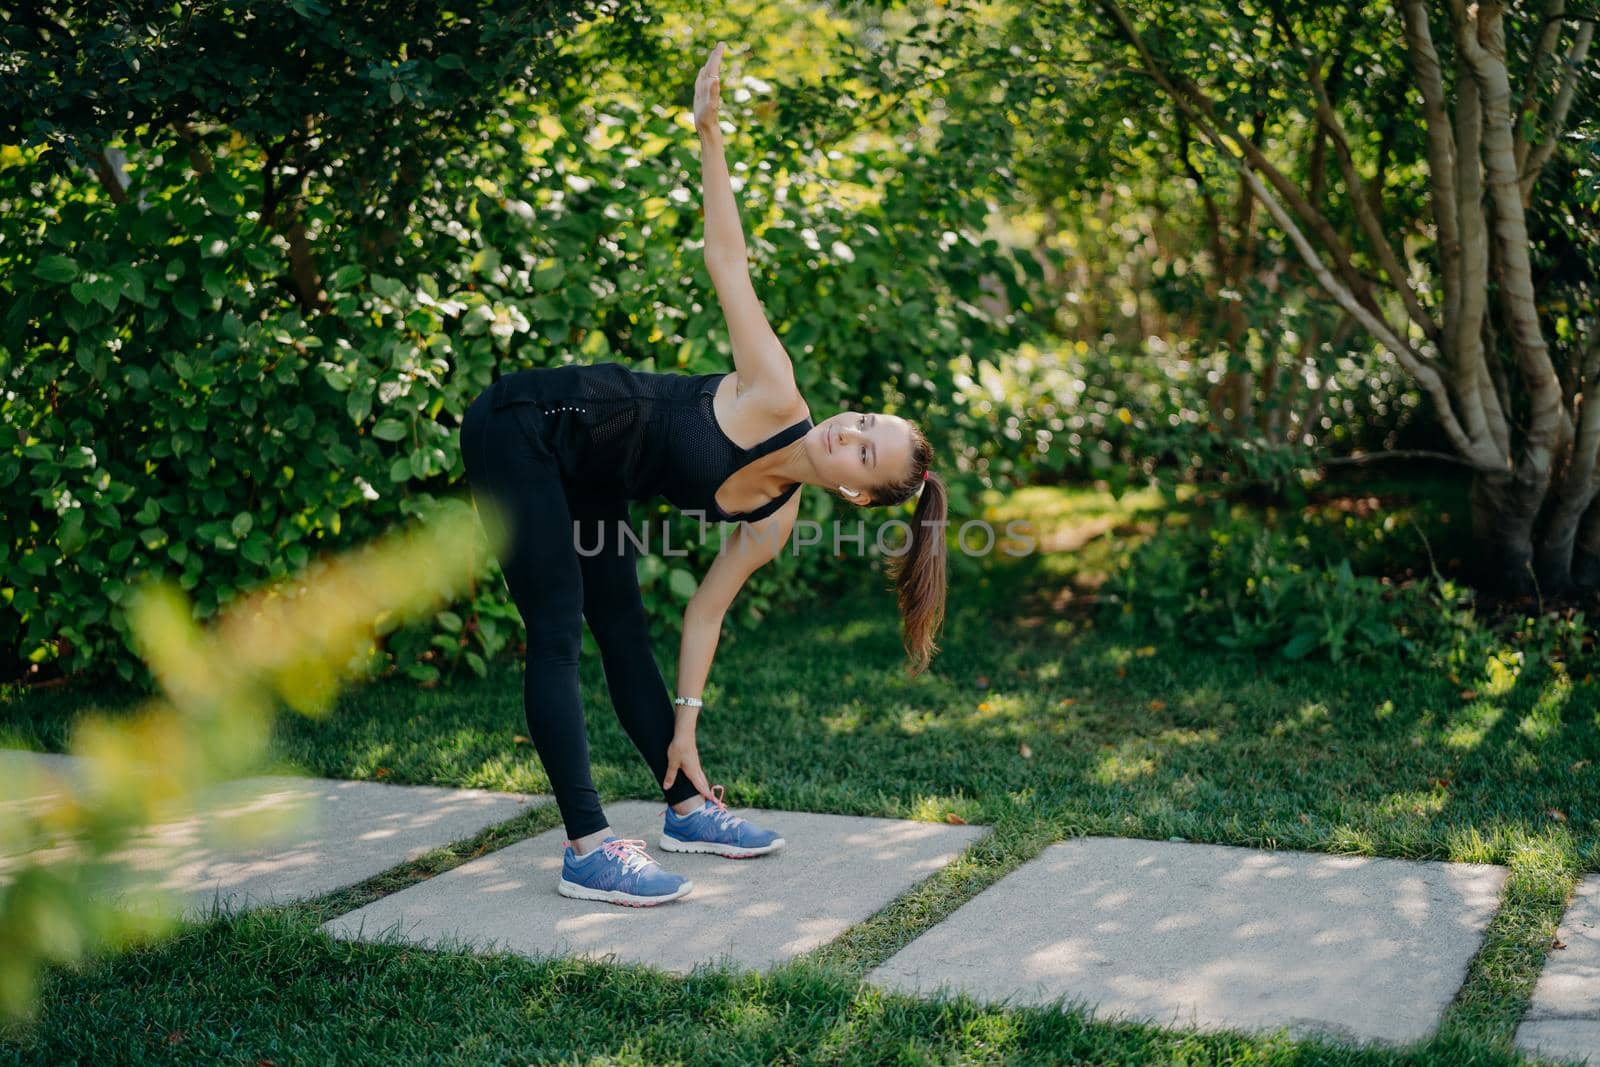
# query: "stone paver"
1563,1022
1209,936
833,872
339,833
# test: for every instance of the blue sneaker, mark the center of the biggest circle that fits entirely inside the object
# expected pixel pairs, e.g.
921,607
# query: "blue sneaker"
619,872
714,829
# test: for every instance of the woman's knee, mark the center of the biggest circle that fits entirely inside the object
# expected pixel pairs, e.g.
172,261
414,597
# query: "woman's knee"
560,645
619,628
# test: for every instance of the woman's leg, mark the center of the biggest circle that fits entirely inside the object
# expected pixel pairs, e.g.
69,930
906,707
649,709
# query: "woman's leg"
615,613
507,466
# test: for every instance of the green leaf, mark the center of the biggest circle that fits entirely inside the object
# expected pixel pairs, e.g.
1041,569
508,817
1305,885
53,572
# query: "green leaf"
387,287
242,524
358,404
346,276
133,285
682,583
80,317
71,535
400,470
255,550
448,621
108,291
60,269
549,276
390,430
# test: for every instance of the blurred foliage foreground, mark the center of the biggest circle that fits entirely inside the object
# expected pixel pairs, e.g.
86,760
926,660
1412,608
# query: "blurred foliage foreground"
294,641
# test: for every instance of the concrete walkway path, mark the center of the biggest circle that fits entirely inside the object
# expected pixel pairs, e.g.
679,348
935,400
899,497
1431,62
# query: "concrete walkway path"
1181,934
339,833
833,872
1564,1019
1211,936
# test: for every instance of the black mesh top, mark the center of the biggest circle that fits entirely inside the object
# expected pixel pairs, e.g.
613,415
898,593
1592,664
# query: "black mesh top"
639,433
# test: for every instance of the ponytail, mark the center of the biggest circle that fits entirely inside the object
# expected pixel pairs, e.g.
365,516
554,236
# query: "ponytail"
919,574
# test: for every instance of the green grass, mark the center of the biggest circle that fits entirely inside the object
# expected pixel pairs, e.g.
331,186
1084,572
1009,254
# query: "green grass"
1034,721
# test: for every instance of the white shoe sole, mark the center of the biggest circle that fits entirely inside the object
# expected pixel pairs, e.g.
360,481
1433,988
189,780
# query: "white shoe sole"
732,852
617,896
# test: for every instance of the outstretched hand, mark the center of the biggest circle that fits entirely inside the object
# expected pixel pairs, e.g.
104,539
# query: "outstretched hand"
708,91
682,755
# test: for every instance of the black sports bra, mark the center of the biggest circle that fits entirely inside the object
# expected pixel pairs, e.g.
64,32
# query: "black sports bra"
613,429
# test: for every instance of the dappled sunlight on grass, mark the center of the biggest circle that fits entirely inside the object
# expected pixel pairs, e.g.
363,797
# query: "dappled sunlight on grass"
1501,671
1044,734
1120,768
846,720
1311,716
1544,721
1413,802
1049,505
937,808
1470,730
1351,840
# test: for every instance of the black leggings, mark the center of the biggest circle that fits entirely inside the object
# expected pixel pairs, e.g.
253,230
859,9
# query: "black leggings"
553,585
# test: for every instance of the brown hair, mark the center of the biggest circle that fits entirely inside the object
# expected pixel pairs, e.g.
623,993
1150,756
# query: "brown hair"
919,571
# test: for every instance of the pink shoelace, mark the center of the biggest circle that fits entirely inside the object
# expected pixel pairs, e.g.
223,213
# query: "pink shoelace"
630,850
724,817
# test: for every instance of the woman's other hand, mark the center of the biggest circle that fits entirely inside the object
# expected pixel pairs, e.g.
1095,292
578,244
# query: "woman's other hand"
683,755
708,91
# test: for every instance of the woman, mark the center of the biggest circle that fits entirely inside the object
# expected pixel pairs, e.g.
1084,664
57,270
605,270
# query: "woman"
558,452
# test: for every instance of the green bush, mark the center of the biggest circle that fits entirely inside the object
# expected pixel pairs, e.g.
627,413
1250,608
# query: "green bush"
225,368
1240,585
1331,581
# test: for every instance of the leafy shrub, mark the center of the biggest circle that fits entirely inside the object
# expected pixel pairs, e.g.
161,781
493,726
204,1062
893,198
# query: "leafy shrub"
1240,585
246,357
1293,586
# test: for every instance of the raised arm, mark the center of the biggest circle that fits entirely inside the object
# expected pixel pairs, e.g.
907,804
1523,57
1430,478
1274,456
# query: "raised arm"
759,358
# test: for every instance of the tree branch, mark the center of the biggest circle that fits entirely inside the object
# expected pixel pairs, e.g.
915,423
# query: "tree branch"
1481,37
110,180
1425,370
1367,218
1539,156
1209,202
1200,107
1549,36
1441,163
1202,110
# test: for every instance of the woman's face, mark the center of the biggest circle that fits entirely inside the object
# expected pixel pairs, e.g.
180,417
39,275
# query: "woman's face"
861,449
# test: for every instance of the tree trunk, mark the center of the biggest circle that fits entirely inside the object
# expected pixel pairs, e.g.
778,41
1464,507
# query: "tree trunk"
1504,507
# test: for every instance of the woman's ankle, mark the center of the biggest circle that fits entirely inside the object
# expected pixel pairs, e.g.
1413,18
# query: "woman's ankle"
688,804
582,846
